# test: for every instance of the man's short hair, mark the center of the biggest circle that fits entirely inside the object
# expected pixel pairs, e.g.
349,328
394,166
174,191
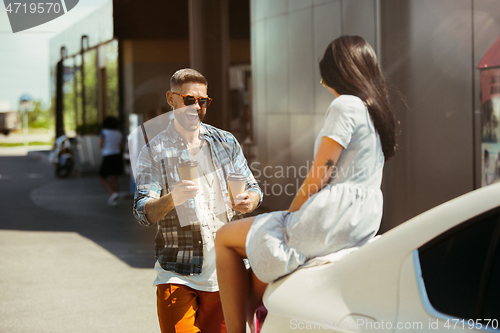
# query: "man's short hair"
186,75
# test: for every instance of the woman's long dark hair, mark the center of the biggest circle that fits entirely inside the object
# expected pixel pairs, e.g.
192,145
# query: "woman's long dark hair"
350,66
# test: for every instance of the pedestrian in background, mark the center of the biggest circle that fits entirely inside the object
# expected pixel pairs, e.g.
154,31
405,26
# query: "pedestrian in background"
338,206
111,144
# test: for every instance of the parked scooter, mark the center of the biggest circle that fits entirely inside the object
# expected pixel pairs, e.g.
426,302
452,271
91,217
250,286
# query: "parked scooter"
63,156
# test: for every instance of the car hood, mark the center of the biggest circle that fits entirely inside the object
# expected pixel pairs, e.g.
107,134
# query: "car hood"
365,281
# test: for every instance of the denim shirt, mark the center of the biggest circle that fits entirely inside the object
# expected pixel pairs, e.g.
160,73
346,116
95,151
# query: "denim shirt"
180,248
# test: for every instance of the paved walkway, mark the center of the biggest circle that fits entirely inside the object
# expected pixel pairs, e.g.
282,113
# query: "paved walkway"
70,263
63,282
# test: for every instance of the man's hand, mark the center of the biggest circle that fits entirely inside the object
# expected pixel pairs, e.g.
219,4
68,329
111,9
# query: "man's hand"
184,190
245,202
156,209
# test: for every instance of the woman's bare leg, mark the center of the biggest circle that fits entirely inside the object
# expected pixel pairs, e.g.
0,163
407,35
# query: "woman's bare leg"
234,281
256,291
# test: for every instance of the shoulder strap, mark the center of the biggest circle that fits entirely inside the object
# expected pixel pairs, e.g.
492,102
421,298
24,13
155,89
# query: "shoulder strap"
150,153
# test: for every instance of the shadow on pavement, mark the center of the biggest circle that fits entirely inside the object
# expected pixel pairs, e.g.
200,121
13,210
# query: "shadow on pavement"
33,199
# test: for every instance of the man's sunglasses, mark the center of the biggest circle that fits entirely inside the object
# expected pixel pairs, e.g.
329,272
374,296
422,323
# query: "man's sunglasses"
203,102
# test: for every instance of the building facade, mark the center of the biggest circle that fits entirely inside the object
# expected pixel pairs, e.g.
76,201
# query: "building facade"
428,50
118,62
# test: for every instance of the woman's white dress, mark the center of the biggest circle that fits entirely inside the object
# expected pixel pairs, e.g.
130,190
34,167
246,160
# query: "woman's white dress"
345,213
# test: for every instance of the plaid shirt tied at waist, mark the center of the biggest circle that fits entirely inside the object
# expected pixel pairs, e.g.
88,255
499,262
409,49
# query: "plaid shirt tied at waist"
180,248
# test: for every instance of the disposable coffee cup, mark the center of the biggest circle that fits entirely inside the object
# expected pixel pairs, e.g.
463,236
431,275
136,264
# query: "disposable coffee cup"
235,185
189,171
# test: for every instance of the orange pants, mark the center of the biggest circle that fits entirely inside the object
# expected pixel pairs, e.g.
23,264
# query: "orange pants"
184,310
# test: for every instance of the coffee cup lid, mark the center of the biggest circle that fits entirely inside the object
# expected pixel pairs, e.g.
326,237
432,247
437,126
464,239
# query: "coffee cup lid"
188,163
236,177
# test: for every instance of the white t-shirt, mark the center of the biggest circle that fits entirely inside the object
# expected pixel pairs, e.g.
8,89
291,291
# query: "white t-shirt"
346,213
361,163
112,141
210,205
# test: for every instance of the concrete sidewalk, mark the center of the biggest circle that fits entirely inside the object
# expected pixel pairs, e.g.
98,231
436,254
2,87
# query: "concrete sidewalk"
69,262
63,282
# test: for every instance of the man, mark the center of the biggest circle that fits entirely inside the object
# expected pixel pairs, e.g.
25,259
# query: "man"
188,215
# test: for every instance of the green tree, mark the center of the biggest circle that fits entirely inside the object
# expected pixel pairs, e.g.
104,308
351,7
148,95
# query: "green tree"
40,117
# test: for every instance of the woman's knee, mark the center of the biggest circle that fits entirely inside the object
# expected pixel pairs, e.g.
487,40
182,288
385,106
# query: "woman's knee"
233,235
220,237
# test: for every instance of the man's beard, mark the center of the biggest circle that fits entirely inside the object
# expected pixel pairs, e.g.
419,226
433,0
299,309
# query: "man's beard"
184,122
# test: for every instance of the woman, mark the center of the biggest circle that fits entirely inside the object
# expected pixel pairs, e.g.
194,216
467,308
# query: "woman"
338,206
111,144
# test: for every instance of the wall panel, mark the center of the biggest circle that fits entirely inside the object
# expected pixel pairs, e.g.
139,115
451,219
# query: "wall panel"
428,53
359,19
277,65
440,98
327,22
301,65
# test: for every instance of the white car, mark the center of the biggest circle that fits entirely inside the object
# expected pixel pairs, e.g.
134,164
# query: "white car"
438,272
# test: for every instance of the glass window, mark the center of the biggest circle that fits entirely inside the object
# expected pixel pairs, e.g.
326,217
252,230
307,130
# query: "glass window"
69,117
78,90
112,78
90,80
453,265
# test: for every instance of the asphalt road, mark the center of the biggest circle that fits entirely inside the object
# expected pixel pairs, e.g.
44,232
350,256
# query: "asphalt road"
69,262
